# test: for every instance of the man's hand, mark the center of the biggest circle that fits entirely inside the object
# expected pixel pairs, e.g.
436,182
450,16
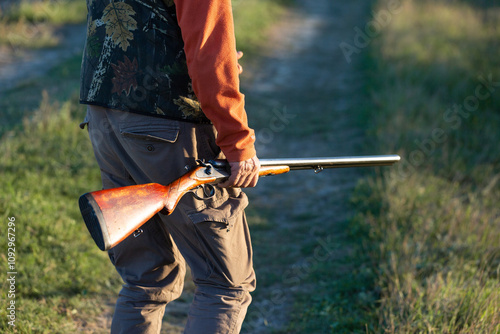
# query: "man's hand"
244,174
239,54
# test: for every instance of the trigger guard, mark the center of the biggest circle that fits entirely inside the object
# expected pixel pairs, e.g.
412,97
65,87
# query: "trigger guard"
208,192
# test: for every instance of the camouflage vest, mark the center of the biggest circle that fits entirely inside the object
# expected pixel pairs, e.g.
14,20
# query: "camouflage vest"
134,60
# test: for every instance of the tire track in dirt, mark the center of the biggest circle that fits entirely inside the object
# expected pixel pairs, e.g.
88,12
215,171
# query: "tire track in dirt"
305,82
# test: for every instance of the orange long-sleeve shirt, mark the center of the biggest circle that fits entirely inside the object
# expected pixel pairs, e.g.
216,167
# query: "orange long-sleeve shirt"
209,43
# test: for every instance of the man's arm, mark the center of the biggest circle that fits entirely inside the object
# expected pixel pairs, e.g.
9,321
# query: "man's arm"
208,32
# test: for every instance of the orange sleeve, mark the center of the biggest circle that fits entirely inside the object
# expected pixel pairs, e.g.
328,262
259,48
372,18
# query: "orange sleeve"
209,43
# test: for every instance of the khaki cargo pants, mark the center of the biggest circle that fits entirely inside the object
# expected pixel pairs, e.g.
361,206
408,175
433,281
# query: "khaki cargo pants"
210,235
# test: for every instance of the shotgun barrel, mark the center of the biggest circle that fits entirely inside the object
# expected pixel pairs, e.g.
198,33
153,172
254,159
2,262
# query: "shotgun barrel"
335,162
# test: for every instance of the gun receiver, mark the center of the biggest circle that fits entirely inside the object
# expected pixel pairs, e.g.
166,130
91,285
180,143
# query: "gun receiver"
111,215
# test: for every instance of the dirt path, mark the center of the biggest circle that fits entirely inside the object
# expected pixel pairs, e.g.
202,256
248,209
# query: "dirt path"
307,92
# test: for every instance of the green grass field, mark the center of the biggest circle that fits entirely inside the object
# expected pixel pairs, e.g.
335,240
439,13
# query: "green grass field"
427,256
433,224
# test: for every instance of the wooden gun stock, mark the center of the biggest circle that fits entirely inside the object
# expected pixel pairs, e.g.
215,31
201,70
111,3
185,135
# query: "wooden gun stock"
111,215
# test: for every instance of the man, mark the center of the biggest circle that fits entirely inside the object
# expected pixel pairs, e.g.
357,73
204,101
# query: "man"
160,78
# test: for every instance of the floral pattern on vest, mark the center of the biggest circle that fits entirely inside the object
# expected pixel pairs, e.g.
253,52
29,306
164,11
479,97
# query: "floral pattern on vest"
134,60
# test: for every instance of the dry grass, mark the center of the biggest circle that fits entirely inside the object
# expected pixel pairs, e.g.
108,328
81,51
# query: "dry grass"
32,24
434,222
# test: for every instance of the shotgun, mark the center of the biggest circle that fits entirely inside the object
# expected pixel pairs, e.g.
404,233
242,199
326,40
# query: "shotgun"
111,215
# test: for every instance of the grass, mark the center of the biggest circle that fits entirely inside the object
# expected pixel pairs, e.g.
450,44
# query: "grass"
33,24
44,169
339,299
433,224
426,255
64,282
55,12
27,35
23,100
425,241
249,14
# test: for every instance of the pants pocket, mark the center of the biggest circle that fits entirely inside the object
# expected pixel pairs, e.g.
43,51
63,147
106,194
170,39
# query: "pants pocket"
152,133
152,148
224,239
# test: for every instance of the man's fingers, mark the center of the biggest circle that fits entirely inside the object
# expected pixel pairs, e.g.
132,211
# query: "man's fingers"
255,180
233,179
239,54
243,174
250,181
